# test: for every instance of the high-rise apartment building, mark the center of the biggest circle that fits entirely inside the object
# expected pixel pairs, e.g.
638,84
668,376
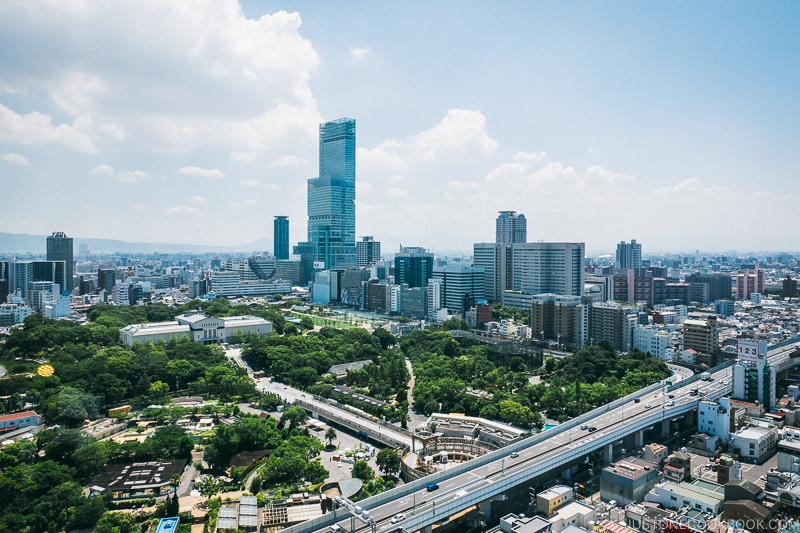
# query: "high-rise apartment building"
749,281
280,237
720,285
629,255
702,336
413,266
789,287
564,319
613,322
511,228
548,267
368,250
332,197
59,248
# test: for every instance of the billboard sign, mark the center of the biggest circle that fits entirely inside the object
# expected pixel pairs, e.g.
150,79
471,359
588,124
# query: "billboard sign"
319,265
750,350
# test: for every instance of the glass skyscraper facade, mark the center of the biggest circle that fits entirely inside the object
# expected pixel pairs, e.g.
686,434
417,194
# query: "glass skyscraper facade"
281,237
59,248
332,198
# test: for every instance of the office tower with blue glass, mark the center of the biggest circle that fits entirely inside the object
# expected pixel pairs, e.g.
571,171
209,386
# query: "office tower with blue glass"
59,248
281,237
332,200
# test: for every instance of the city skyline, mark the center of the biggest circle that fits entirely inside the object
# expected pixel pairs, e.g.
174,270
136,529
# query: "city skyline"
667,124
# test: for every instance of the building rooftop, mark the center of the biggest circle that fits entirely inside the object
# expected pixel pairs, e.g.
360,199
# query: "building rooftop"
136,476
631,468
17,416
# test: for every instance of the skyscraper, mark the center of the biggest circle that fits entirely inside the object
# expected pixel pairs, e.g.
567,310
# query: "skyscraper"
629,255
59,248
542,267
511,228
332,197
413,266
280,237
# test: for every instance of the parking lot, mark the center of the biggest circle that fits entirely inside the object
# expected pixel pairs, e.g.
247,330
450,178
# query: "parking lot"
701,469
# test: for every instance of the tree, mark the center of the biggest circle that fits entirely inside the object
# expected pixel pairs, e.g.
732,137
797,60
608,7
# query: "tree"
388,461
330,434
363,471
118,523
314,472
294,416
157,391
209,486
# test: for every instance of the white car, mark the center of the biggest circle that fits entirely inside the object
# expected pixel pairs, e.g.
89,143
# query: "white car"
648,406
399,517
671,402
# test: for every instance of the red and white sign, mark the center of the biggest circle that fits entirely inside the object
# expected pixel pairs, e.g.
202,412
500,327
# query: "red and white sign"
750,350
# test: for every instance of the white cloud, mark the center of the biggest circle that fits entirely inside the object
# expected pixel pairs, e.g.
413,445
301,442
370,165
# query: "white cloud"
360,54
102,169
205,172
286,161
249,183
529,156
461,135
249,201
133,176
197,200
255,75
38,128
184,210
15,159
244,156
397,192
458,186
691,186
363,187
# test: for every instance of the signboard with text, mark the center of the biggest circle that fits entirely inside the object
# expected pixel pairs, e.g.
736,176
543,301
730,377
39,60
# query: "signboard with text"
750,350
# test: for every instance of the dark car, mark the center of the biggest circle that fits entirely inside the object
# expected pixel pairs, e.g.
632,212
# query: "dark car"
592,428
432,487
636,400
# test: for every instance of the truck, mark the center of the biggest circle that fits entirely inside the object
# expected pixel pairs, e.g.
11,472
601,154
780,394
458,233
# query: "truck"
706,376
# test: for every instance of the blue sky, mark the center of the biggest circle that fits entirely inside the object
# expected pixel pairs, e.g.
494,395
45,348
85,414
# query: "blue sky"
677,124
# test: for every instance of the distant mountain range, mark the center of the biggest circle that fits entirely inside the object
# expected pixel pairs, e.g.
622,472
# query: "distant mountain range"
19,243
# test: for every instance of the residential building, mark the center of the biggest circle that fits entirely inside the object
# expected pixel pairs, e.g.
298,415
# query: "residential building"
564,319
368,251
720,286
59,248
12,314
413,266
652,339
717,419
750,281
435,297
612,322
702,335
280,237
789,286
628,481
551,499
629,255
754,443
458,280
511,228
699,495
724,307
331,199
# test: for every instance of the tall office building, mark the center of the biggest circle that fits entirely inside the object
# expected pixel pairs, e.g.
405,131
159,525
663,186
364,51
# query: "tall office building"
720,286
511,228
59,248
458,280
26,272
5,281
413,266
548,267
106,279
368,250
629,255
280,237
496,262
331,199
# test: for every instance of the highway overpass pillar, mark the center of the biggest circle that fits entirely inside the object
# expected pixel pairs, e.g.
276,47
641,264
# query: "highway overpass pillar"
485,508
426,529
608,453
638,439
665,427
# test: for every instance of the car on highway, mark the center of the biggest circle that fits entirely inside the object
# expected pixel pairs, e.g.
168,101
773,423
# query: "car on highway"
584,427
399,517
592,428
432,487
670,403
637,400
514,455
671,396
648,406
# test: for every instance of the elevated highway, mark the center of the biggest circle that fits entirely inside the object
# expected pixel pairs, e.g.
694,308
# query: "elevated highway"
477,482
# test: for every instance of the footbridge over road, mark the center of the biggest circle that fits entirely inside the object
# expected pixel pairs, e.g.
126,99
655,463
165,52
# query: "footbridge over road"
488,477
